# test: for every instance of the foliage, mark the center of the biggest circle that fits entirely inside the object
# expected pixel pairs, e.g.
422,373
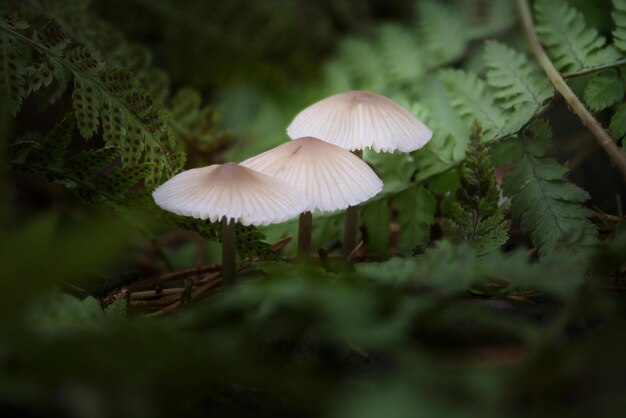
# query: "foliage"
491,272
547,206
476,217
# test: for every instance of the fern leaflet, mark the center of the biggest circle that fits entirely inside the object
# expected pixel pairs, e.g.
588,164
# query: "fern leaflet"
548,207
572,44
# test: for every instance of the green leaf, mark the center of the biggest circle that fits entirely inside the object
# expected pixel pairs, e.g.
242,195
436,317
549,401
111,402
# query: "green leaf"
476,217
12,72
86,103
571,43
604,90
619,17
515,80
416,211
443,33
618,122
376,216
474,101
548,207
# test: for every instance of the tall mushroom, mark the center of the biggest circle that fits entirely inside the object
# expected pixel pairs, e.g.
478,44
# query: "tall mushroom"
230,193
331,178
355,120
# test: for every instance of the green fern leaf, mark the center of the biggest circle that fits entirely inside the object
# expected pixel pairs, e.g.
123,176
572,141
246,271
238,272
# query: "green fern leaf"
474,100
12,72
376,216
53,36
86,103
618,123
572,44
443,33
416,209
85,60
619,17
548,207
120,181
401,55
604,90
515,80
89,165
53,148
476,217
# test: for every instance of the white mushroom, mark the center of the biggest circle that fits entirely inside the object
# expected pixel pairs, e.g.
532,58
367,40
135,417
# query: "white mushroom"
355,120
331,177
230,193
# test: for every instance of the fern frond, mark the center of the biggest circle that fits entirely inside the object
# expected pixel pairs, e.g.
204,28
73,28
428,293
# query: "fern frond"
417,211
401,55
12,72
571,43
619,17
618,124
604,90
515,80
476,218
443,32
548,207
474,100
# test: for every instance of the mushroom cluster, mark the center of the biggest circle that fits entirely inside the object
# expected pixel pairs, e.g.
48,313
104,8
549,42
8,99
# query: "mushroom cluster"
316,171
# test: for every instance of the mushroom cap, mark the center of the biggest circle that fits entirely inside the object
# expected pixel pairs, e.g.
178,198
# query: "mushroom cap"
331,177
230,190
359,119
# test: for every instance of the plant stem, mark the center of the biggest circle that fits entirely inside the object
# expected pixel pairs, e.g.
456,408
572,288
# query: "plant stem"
593,69
228,252
304,235
604,139
351,224
350,228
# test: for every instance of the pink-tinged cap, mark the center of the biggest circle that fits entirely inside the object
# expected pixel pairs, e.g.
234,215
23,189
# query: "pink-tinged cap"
356,120
231,191
331,177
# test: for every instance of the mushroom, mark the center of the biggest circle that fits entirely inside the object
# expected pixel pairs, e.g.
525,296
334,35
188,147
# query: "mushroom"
355,120
331,178
230,193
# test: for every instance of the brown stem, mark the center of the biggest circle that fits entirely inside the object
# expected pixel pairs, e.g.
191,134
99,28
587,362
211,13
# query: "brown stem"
351,225
146,294
595,68
574,103
304,235
229,252
175,276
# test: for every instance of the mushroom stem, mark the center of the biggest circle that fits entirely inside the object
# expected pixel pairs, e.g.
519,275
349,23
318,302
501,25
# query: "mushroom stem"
304,235
350,228
352,223
229,252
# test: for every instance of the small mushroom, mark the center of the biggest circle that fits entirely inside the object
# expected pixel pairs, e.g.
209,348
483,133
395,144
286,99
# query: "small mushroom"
355,120
331,178
230,193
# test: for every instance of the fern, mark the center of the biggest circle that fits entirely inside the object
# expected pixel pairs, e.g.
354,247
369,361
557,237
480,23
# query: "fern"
548,207
604,90
572,44
444,34
619,16
477,219
473,99
618,124
12,66
197,126
515,80
416,210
